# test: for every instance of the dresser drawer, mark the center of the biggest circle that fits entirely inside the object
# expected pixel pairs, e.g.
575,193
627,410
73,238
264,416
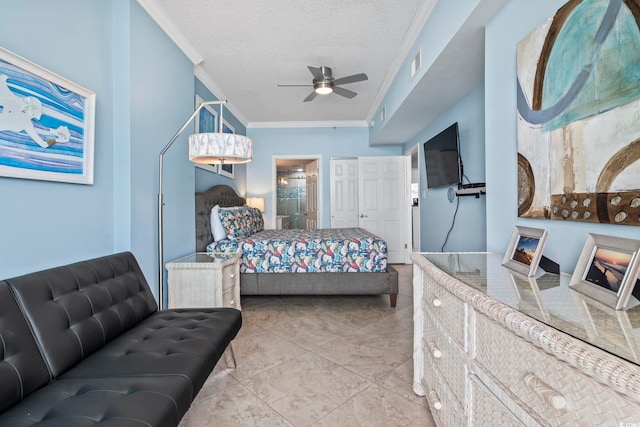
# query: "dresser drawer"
446,357
445,409
447,308
229,277
230,299
551,391
487,410
231,286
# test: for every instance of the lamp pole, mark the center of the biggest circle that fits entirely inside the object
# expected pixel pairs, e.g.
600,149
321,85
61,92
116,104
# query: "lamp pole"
160,197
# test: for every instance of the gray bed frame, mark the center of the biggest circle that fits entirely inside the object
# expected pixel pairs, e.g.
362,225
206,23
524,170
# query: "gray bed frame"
290,283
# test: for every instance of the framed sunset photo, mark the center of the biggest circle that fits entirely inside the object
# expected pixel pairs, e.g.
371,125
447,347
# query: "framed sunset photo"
525,250
607,271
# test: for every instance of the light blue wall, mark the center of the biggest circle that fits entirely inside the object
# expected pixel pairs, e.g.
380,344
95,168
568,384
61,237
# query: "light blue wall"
45,224
122,127
144,92
162,99
436,212
206,179
566,239
445,20
324,142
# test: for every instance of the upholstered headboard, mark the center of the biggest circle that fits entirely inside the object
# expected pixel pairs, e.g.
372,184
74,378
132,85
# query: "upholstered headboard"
222,195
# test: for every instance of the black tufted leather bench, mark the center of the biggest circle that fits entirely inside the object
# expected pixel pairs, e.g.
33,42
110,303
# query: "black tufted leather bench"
85,345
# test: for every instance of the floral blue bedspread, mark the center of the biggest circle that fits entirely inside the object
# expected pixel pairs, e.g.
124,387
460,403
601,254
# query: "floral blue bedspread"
308,251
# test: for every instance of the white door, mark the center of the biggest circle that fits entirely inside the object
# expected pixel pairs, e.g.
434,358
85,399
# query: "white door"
344,193
312,195
383,202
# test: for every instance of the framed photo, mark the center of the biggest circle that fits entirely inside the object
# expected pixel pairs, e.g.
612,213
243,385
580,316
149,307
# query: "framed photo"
607,271
46,124
525,250
226,169
206,122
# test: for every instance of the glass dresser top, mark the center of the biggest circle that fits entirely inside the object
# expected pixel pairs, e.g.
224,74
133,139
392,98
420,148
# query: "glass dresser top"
547,298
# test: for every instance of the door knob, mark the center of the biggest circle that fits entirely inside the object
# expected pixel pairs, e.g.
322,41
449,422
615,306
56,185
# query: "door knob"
363,216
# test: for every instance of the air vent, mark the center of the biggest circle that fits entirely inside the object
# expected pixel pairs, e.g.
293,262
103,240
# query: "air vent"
383,114
416,64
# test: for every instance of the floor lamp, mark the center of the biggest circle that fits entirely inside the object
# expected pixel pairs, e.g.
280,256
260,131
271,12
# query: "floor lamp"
213,148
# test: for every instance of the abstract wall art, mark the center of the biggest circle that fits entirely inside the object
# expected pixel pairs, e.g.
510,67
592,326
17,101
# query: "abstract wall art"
578,100
46,124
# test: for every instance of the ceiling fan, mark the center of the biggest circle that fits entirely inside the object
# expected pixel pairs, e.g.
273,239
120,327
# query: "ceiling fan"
324,83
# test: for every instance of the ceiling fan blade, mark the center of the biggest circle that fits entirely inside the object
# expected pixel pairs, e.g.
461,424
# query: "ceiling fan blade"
316,72
311,96
344,92
351,79
292,85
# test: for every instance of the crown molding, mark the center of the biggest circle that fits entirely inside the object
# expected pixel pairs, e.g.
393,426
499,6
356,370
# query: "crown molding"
418,22
314,124
167,25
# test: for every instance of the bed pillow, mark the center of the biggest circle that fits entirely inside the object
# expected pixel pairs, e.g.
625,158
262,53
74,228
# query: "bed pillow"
241,221
257,222
217,230
234,222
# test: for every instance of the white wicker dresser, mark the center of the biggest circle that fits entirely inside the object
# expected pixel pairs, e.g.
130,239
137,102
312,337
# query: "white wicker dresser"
493,347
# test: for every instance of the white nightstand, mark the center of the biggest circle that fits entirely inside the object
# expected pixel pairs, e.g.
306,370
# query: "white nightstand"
205,280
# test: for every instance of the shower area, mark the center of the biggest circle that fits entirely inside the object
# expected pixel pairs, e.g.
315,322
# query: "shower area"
291,203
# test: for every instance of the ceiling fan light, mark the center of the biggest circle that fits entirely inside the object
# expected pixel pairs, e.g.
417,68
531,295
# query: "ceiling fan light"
323,88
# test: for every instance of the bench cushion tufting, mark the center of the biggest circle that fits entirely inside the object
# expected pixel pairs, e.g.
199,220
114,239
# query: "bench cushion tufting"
22,368
170,342
84,345
121,402
74,310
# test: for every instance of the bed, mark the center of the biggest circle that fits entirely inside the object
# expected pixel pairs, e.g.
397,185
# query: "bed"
363,271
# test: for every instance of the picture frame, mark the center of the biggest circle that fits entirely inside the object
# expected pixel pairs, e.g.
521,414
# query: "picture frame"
47,124
226,169
206,121
607,271
525,250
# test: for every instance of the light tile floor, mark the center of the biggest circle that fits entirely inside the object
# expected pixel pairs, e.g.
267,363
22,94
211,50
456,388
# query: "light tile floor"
318,361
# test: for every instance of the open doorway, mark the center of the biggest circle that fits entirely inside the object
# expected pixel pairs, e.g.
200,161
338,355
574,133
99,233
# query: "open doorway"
296,192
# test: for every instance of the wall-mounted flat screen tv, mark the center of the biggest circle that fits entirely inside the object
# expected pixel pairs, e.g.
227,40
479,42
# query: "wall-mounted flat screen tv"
442,158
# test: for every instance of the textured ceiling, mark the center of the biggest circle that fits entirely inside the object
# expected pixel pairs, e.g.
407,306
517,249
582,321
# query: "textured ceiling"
244,49
249,47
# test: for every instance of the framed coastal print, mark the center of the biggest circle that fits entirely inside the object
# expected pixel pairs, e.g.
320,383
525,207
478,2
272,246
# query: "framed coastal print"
525,250
607,271
46,124
206,122
226,169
